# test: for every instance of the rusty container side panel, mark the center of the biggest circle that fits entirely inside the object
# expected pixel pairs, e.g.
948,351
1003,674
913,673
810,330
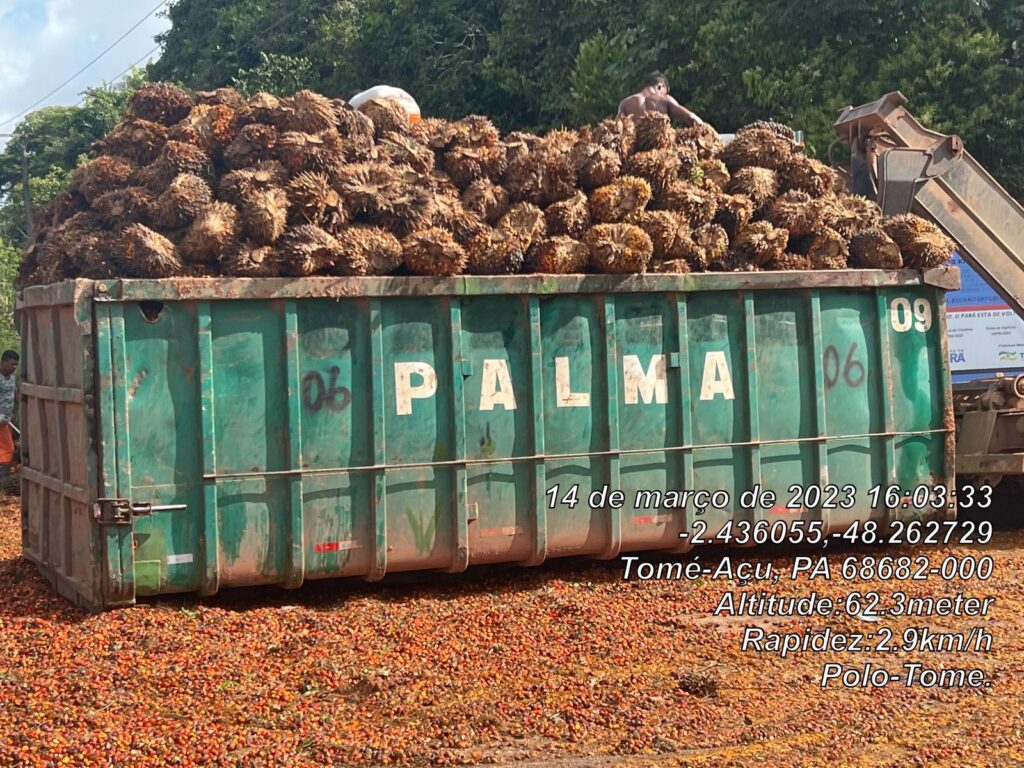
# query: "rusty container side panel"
271,432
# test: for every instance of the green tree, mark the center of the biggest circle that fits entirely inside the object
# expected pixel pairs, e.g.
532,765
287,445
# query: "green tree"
58,136
276,73
597,83
9,259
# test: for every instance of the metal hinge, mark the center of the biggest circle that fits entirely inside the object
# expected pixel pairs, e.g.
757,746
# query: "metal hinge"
121,511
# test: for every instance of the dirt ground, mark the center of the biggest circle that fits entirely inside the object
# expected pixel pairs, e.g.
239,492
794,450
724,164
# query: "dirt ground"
567,665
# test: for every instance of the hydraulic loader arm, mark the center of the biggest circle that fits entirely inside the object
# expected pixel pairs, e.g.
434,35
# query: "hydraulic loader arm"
909,168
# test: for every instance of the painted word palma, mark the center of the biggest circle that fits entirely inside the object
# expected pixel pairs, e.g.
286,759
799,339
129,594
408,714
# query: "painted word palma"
418,381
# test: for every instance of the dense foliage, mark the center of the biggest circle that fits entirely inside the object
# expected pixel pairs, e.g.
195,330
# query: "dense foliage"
538,64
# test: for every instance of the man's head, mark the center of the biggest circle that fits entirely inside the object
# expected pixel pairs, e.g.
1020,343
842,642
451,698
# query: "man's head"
9,362
656,81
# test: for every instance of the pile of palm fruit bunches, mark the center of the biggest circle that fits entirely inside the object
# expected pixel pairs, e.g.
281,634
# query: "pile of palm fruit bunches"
215,184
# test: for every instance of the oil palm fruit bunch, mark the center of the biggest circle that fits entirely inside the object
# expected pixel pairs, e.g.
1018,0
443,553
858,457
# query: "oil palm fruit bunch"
254,143
386,196
400,149
595,166
185,197
433,251
653,131
734,212
697,204
378,248
524,179
617,134
451,214
759,147
670,234
826,249
159,103
619,248
922,244
318,152
569,217
808,175
121,207
464,165
133,139
712,247
175,157
75,242
235,184
474,131
248,260
853,214
497,251
211,127
264,214
714,172
789,262
486,199
525,220
304,112
779,129
702,138
796,212
625,196
141,252
387,116
873,249
307,250
211,234
313,200
263,107
659,167
759,243
559,255
761,185
224,97
100,175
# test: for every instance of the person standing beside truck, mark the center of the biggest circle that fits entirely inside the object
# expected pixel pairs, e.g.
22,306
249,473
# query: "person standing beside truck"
8,365
654,98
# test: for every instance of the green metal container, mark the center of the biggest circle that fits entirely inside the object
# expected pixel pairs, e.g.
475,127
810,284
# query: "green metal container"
194,434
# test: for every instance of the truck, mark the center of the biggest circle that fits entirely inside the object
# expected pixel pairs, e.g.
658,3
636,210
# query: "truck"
190,435
908,168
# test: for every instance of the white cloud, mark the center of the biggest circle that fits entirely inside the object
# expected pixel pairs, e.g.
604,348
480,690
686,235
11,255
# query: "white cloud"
61,20
14,71
44,42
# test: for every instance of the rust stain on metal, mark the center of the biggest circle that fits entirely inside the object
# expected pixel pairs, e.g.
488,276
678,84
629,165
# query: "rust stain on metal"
137,381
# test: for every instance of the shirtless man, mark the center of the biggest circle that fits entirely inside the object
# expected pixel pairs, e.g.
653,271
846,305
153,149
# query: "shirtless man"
654,98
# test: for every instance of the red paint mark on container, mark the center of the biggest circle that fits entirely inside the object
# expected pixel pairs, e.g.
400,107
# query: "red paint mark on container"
651,519
335,546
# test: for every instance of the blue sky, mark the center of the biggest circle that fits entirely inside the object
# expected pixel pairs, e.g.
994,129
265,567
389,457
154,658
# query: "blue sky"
44,42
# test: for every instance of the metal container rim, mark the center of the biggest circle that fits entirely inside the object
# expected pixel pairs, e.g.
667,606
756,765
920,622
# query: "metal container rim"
225,288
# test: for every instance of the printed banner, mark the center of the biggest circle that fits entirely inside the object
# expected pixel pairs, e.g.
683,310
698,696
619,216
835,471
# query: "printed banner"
985,335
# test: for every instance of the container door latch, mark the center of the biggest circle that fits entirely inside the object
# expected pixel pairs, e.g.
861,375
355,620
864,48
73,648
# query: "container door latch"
121,511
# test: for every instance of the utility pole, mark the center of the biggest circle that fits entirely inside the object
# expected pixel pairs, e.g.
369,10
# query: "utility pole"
26,191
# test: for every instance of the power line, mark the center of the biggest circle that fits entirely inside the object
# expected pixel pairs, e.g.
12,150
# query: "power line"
79,72
288,14
284,17
129,68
